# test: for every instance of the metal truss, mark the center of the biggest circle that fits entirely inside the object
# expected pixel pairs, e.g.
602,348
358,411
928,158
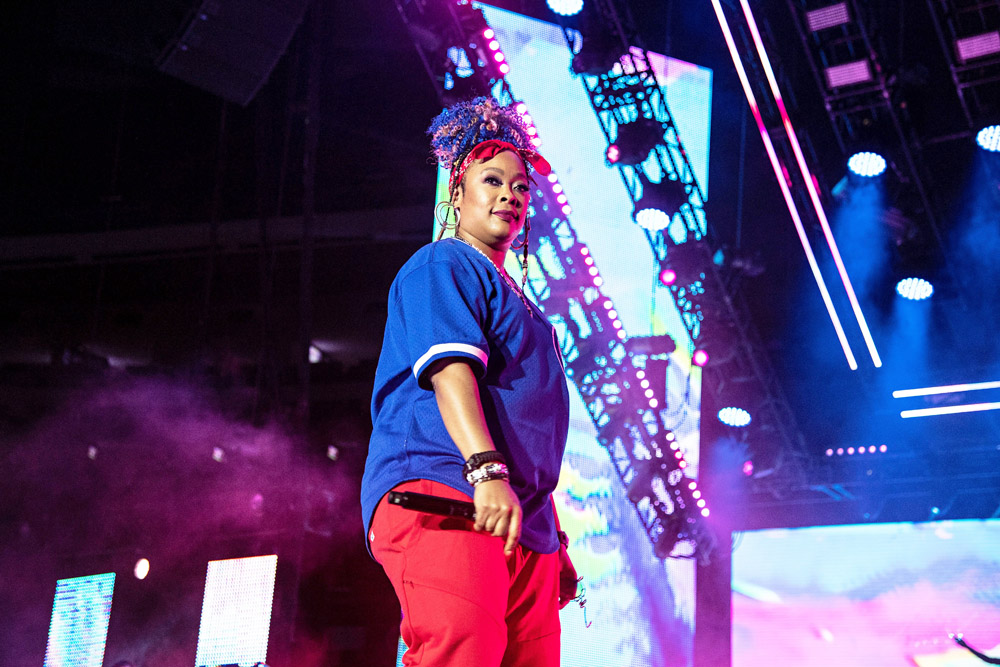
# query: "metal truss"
606,367
957,19
860,110
630,91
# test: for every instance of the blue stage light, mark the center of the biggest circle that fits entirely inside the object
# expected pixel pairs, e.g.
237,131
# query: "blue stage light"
914,289
988,138
736,417
866,164
565,7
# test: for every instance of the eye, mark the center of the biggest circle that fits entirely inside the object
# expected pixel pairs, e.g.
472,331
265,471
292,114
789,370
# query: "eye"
491,180
522,188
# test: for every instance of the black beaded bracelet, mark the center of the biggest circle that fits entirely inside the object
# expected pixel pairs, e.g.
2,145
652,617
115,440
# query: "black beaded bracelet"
479,458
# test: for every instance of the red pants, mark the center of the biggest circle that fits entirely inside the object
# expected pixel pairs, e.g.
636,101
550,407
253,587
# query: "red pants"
464,603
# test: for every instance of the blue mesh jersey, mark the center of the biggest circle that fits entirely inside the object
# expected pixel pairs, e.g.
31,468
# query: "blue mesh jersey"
449,300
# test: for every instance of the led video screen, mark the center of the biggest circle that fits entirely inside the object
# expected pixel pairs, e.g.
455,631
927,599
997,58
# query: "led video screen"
236,612
81,612
640,610
873,594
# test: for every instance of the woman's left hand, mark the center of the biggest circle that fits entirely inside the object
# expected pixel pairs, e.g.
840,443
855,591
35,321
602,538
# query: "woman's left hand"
568,578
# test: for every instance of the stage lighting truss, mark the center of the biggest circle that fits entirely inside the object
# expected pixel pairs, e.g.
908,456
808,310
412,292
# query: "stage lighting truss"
610,375
643,137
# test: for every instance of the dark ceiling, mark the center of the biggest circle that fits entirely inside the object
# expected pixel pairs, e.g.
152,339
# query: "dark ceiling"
117,179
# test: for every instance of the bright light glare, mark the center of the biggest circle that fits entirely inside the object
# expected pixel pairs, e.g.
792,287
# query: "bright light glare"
733,416
141,569
988,138
699,358
565,7
866,164
652,219
915,289
949,410
945,389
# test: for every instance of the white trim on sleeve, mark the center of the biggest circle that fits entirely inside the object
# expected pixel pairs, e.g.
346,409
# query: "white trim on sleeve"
435,350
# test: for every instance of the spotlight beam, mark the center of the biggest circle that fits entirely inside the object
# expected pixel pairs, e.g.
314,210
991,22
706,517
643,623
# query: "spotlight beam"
786,193
949,410
810,186
945,389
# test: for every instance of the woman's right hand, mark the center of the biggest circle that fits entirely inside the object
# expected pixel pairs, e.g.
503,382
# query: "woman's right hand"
498,511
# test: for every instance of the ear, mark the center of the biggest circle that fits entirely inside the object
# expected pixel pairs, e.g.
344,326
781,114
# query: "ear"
456,199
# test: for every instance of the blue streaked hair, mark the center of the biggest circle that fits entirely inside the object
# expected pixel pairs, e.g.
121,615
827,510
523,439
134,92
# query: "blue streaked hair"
456,130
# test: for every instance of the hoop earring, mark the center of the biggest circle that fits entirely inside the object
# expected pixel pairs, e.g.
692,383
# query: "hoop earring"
441,217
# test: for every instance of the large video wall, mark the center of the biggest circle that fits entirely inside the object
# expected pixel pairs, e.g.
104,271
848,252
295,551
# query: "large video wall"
866,595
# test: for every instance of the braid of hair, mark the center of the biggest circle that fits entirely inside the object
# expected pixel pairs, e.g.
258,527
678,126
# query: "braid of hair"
524,262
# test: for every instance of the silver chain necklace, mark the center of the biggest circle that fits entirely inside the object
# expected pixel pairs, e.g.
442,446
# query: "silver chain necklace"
503,274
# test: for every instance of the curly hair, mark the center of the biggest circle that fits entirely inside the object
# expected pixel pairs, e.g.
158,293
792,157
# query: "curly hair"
457,129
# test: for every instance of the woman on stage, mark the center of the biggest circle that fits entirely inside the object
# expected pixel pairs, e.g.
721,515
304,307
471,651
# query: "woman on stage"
471,402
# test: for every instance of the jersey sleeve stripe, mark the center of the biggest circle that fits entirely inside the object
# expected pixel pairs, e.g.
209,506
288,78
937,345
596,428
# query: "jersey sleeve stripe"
442,350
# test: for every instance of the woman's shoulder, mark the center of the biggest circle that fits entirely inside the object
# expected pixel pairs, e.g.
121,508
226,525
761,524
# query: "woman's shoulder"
448,251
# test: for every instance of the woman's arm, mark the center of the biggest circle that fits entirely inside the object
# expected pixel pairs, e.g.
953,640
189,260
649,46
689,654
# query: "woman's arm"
457,392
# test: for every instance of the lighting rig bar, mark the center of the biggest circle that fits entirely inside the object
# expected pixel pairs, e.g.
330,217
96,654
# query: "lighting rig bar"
970,38
606,367
626,92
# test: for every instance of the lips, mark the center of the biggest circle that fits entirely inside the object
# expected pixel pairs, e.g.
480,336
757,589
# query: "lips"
509,216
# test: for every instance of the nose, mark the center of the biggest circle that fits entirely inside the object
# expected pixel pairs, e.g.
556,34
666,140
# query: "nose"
508,196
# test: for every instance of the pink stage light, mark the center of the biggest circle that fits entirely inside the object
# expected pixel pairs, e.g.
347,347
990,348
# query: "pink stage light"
552,177
748,468
668,277
566,209
705,512
692,485
699,358
494,45
777,167
505,69
883,449
488,33
652,402
498,56
521,107
613,153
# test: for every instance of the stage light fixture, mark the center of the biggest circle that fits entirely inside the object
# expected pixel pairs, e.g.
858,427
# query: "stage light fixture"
848,74
565,7
658,203
866,164
636,139
734,416
988,138
141,569
977,46
828,17
598,53
613,154
914,289
668,277
700,358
